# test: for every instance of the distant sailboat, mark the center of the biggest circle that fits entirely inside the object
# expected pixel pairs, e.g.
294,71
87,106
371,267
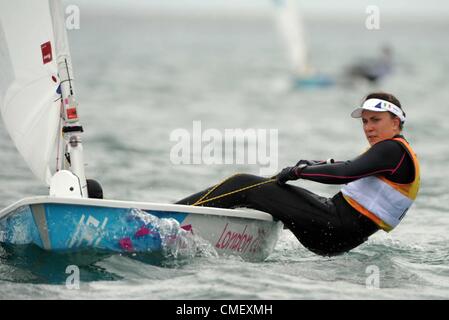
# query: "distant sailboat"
39,109
291,29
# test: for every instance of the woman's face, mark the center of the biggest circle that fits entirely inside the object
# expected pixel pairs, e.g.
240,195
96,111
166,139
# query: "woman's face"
379,126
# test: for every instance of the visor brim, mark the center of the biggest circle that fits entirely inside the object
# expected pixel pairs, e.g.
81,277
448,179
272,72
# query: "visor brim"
357,113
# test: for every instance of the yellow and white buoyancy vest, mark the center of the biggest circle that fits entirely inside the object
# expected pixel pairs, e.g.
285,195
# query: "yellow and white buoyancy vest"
383,201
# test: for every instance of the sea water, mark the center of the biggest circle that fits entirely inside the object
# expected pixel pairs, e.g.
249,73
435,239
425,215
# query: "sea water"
140,76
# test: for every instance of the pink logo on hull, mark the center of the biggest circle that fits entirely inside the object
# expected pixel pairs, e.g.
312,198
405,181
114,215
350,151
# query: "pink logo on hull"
241,241
126,244
187,227
144,231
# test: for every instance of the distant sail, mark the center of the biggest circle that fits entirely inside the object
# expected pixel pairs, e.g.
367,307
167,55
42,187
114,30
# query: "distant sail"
291,29
29,102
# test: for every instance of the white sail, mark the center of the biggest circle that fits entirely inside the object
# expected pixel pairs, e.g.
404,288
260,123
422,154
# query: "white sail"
291,29
29,103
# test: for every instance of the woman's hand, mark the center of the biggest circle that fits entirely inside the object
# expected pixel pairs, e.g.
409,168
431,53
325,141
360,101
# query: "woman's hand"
315,162
289,173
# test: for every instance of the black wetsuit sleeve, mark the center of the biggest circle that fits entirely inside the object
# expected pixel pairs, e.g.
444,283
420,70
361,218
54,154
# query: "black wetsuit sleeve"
384,158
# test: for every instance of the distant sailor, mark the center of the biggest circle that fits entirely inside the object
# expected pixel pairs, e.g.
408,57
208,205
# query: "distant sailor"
373,69
380,185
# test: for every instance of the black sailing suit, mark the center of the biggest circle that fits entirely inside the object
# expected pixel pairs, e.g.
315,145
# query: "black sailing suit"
326,226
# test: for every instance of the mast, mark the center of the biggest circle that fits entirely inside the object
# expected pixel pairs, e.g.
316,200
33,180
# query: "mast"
71,129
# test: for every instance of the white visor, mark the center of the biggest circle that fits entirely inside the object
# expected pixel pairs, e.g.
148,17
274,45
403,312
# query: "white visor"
379,105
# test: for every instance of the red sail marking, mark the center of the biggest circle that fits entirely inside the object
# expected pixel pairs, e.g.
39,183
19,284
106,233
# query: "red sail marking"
46,52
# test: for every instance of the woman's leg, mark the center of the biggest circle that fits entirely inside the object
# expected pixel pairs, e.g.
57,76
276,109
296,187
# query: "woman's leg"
314,220
226,194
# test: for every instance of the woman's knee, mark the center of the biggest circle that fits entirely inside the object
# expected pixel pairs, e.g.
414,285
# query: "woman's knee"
245,178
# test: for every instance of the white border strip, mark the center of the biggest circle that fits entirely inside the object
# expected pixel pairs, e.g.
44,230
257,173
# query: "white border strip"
247,213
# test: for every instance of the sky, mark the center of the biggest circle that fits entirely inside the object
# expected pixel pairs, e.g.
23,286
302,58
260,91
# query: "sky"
416,8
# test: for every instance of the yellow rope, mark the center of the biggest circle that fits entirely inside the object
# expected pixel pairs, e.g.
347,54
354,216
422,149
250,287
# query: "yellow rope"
201,201
213,188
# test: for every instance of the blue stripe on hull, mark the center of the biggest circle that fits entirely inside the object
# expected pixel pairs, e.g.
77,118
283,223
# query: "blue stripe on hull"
19,228
75,227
